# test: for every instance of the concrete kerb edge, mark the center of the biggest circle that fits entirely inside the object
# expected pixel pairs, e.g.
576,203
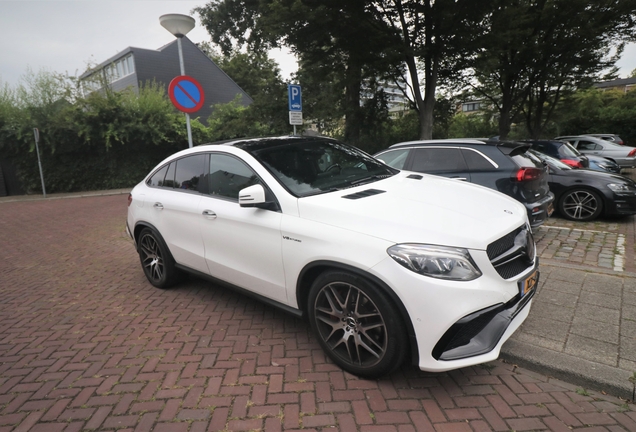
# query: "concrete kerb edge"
584,373
25,198
587,269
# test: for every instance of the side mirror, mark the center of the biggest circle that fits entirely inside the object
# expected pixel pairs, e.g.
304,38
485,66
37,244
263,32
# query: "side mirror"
254,196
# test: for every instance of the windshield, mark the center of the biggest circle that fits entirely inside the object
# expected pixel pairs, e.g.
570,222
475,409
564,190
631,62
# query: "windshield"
569,150
313,167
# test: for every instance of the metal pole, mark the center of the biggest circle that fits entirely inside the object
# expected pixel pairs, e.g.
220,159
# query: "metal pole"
37,150
183,73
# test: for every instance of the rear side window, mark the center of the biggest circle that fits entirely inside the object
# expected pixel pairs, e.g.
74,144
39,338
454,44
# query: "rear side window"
588,145
186,173
169,181
431,160
476,161
190,172
158,178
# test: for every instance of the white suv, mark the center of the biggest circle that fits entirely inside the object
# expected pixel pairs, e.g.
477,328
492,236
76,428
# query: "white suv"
382,262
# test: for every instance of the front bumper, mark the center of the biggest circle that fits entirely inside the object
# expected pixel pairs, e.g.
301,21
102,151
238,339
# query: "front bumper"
434,306
621,204
480,332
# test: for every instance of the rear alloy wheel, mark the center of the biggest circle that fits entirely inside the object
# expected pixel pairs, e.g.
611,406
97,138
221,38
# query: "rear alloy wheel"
156,261
580,205
356,324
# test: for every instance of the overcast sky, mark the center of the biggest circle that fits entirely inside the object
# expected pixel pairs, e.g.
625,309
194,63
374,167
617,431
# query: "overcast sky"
65,36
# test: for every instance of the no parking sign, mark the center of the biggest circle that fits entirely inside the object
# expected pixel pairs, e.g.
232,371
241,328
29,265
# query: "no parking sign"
186,94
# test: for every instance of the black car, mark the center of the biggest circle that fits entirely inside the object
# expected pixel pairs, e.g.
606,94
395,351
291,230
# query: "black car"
560,150
500,165
598,163
584,195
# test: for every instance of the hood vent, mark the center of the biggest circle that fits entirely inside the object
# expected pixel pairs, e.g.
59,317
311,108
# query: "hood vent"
415,177
363,194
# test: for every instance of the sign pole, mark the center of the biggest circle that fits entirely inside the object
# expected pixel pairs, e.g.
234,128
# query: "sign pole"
183,73
36,132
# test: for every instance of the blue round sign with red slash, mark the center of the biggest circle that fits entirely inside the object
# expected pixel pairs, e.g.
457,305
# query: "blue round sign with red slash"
186,94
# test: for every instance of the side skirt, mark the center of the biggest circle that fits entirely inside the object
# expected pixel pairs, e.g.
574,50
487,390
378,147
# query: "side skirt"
283,307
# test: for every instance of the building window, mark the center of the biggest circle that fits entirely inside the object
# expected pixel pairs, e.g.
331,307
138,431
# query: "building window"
471,106
112,72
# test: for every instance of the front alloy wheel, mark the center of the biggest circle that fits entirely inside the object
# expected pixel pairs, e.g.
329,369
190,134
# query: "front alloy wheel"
581,205
356,324
156,261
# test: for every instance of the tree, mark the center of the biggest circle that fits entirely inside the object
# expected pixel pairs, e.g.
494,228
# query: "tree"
536,50
440,34
334,39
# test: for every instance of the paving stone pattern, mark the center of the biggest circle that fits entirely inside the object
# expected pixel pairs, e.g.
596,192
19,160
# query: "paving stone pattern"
87,344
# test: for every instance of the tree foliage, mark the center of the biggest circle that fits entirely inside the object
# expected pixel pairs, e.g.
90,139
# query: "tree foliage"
106,140
536,51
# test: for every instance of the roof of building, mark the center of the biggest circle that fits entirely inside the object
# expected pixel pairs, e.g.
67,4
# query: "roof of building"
616,83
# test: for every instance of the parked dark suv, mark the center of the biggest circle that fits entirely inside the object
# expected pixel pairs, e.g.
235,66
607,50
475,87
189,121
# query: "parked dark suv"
504,166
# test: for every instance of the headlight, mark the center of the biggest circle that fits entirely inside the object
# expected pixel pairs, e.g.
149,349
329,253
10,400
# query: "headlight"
620,187
440,262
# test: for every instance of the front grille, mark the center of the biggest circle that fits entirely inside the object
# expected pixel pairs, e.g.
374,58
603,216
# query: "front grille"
517,257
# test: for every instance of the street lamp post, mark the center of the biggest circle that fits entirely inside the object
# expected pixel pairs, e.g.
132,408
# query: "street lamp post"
179,25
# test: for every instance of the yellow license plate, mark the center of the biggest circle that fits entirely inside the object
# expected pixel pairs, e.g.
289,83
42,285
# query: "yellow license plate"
529,284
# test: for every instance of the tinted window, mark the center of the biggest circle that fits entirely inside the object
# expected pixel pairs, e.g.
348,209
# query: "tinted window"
394,158
527,160
587,145
190,172
430,160
312,167
476,161
157,179
169,181
228,176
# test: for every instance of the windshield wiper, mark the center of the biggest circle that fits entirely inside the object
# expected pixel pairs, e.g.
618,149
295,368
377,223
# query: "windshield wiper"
369,179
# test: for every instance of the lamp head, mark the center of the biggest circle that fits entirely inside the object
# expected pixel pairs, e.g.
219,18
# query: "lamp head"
177,24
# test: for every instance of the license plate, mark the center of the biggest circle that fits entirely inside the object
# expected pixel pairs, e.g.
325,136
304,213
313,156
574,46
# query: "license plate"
528,284
550,209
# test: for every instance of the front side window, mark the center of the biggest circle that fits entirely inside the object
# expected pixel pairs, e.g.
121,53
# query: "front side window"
432,160
394,158
228,176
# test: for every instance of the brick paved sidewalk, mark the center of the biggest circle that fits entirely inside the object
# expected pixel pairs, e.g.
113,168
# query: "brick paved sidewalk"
87,344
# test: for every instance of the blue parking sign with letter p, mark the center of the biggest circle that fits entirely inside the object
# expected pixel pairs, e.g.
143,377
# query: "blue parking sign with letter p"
295,97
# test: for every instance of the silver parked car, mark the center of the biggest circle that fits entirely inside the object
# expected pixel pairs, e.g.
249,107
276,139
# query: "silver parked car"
624,156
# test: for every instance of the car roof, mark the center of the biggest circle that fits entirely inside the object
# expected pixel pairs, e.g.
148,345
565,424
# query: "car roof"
507,147
251,142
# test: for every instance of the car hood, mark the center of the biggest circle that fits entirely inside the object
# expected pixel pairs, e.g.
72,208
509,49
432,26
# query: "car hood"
418,208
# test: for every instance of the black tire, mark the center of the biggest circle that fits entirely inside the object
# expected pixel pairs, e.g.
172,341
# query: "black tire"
580,205
156,260
356,324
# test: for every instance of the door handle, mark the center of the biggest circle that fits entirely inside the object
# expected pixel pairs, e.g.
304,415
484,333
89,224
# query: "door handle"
459,178
158,206
209,214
